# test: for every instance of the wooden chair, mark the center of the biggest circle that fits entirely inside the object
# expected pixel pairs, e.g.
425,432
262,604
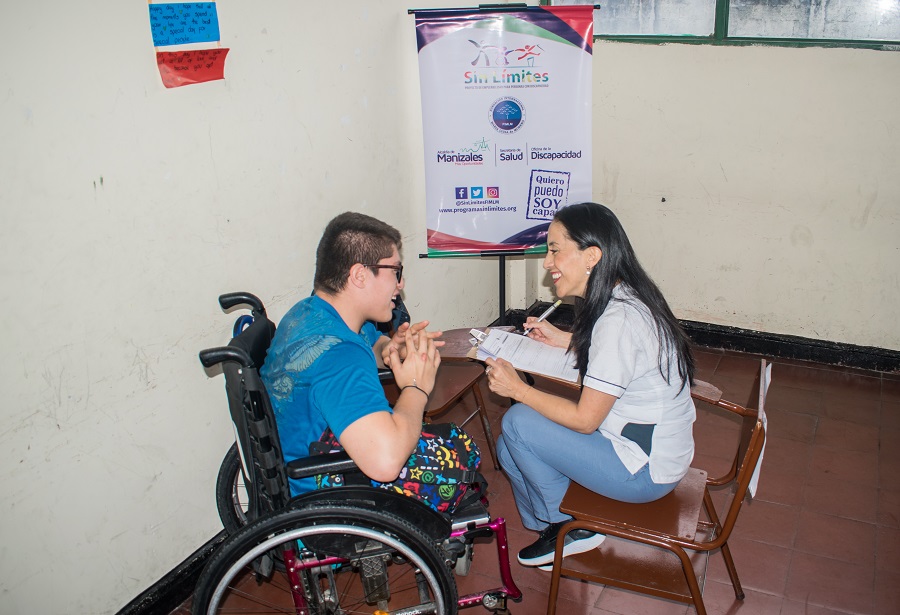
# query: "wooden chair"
453,381
648,547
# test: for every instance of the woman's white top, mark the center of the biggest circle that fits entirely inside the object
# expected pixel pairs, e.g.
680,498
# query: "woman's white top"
623,361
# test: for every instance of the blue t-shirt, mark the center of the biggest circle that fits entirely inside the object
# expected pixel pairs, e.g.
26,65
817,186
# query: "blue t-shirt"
319,373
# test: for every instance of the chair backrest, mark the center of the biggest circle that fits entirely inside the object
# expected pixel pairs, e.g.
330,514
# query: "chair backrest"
252,415
749,453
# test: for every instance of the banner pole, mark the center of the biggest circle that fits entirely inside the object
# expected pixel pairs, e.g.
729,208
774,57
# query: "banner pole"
502,290
501,254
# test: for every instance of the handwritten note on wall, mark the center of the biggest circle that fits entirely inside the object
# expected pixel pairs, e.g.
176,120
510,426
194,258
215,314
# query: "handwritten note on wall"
179,68
184,22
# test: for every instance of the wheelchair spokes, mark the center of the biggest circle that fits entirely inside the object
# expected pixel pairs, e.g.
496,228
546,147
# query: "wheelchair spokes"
355,561
232,497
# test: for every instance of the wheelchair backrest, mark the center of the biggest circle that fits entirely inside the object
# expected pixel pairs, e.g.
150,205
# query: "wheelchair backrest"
251,412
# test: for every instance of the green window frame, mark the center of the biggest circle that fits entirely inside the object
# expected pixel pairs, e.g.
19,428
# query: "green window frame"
720,34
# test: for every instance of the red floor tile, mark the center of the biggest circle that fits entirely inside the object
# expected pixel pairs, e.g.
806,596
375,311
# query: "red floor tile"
887,592
774,524
791,425
842,499
888,508
846,435
829,463
626,602
890,413
831,583
842,539
719,598
887,554
761,567
852,407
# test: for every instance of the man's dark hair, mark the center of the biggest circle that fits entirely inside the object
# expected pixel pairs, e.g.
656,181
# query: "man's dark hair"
348,239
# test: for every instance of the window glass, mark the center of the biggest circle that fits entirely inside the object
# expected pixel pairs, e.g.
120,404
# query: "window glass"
661,17
815,19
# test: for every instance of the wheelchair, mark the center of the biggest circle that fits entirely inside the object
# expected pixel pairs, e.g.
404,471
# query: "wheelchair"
350,549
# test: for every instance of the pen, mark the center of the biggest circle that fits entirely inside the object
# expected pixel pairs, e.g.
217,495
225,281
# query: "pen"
544,316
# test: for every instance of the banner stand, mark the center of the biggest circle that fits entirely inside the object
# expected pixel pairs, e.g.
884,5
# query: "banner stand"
486,72
493,8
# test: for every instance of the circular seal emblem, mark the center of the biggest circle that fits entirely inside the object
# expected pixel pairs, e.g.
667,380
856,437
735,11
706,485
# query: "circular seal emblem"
507,114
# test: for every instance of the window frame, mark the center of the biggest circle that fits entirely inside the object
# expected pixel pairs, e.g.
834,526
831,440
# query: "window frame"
720,36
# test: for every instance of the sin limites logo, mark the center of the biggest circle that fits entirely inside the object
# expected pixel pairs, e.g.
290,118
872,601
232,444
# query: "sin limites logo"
492,66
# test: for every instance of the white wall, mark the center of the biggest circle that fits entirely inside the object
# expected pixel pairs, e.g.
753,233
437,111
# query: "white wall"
781,178
127,208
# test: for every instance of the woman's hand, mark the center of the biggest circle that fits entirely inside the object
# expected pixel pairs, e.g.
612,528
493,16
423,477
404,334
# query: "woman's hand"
543,331
503,379
420,364
398,341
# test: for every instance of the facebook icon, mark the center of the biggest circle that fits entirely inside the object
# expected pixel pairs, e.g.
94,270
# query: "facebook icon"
462,192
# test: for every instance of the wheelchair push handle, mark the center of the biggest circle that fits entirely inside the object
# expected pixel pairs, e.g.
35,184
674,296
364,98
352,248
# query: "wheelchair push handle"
214,356
229,300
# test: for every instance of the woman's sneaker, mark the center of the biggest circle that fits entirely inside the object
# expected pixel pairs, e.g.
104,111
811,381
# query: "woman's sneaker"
541,551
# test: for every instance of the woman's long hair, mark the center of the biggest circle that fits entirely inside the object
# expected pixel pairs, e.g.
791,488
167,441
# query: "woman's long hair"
591,224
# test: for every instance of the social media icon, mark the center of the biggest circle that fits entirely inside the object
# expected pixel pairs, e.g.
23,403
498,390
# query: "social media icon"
477,192
462,192
493,192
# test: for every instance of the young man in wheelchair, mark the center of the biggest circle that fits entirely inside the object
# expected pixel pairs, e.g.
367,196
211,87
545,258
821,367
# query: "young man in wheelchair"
355,548
321,368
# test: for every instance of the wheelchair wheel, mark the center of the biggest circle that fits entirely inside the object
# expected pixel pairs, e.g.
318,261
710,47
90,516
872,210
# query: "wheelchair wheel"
352,560
232,499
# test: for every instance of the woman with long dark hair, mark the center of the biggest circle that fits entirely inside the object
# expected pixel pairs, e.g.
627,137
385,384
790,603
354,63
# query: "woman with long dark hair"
629,434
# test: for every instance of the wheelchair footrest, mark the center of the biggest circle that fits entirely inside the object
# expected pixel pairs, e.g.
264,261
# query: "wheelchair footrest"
474,513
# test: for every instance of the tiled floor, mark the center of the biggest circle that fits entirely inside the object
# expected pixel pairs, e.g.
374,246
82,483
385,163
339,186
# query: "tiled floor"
821,537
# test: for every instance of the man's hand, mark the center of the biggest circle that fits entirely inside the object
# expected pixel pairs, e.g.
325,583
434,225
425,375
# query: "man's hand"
420,364
398,341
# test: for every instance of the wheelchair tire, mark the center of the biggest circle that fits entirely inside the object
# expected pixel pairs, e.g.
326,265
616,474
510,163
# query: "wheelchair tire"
409,570
232,499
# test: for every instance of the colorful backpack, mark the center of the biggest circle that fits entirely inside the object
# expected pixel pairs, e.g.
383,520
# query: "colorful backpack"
441,471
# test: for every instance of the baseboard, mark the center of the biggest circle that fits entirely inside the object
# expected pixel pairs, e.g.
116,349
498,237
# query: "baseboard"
754,342
172,590
792,347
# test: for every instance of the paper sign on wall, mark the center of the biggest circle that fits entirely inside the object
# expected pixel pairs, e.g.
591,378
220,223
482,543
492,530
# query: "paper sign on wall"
184,22
179,68
187,23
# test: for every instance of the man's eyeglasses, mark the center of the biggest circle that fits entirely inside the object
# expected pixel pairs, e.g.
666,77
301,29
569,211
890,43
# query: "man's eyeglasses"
398,269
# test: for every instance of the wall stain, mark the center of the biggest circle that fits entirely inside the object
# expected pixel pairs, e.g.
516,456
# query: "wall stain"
801,236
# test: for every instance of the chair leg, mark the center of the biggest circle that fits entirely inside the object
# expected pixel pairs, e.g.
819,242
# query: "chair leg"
554,590
732,572
726,552
485,422
691,579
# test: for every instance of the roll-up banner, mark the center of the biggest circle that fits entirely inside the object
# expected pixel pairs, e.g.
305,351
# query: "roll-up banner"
506,108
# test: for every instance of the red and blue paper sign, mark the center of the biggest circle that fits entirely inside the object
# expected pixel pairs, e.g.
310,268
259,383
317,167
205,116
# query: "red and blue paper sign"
187,23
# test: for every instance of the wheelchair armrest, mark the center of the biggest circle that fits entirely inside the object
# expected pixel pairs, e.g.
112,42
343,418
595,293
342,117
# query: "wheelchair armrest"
214,356
333,463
